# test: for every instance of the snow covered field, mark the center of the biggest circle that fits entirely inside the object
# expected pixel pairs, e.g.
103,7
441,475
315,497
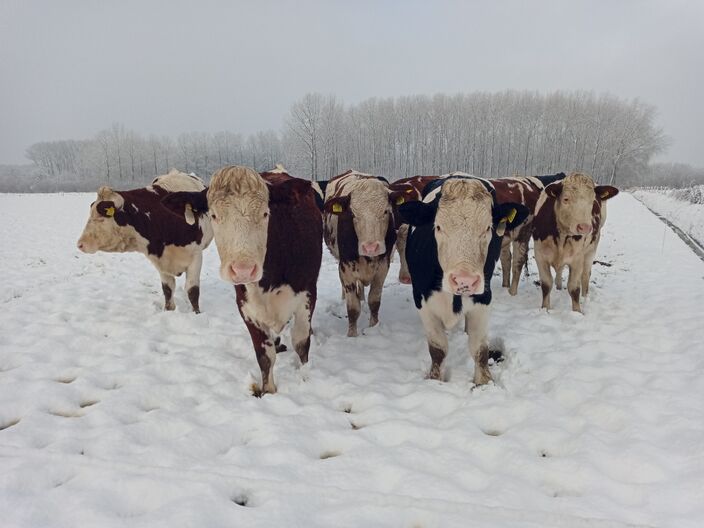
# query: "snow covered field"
116,414
689,217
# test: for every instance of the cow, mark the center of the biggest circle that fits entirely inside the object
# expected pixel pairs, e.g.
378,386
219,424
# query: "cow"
453,245
359,232
135,220
524,190
566,230
402,191
269,236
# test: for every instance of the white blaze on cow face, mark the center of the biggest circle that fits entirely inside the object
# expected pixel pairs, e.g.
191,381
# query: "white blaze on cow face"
463,230
101,232
238,203
371,210
574,200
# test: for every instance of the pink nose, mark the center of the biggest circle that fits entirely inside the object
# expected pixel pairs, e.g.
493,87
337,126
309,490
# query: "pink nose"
242,272
80,245
465,283
370,248
404,279
584,229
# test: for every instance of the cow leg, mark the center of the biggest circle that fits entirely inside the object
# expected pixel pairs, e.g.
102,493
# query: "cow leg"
506,262
353,303
404,275
587,271
478,324
375,290
573,284
437,342
545,281
301,331
193,280
168,285
265,350
520,257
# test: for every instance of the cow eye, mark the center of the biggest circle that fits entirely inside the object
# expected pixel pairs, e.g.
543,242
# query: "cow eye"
266,214
488,229
437,228
213,216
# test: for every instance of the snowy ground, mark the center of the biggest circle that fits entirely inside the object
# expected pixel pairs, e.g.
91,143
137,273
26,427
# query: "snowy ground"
116,414
689,217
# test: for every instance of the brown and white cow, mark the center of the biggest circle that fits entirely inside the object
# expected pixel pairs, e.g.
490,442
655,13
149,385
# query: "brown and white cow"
135,220
403,191
566,229
359,232
268,232
524,190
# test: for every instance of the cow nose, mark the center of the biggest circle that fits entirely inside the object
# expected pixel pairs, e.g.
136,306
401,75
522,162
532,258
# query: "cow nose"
465,283
404,279
584,229
242,272
80,245
370,248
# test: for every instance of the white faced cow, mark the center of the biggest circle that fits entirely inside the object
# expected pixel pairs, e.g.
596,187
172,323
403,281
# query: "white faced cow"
359,232
135,220
566,230
268,231
452,249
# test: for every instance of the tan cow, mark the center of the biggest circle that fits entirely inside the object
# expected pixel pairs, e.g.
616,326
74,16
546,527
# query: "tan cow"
566,230
359,232
135,220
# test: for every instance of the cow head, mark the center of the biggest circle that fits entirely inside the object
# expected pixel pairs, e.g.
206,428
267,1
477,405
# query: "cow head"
106,228
574,200
369,206
464,219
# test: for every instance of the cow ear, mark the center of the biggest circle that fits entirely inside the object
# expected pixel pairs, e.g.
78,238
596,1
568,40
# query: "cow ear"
508,216
398,197
187,205
554,189
605,192
416,213
337,205
381,178
105,208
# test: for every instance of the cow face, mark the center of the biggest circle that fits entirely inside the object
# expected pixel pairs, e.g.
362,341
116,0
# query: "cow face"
574,200
238,204
464,220
102,231
368,204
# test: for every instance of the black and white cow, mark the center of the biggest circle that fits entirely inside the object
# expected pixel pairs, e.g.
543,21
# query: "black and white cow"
452,249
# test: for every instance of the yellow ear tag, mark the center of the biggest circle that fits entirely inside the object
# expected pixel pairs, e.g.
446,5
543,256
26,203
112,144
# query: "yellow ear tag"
604,195
110,211
400,200
511,215
336,208
409,191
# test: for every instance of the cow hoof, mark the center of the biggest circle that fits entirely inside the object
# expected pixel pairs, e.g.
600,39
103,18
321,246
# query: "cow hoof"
169,307
504,285
373,321
513,292
258,391
196,310
434,374
482,376
352,332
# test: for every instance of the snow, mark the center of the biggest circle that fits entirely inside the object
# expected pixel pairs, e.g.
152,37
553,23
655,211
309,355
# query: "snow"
115,413
689,217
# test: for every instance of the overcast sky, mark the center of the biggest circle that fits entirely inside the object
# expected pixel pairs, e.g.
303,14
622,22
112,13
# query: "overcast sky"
70,68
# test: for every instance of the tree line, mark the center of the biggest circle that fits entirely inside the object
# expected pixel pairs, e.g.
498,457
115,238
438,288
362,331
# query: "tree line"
487,134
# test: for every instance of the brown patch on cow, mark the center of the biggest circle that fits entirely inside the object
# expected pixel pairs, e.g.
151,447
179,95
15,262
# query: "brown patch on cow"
168,297
193,297
302,349
437,356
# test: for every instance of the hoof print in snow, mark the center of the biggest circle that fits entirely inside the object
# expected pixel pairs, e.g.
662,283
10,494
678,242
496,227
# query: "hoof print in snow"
240,500
88,403
66,379
544,454
347,409
329,454
66,414
492,432
7,425
355,427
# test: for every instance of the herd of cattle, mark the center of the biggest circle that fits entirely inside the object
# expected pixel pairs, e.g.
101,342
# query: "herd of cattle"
449,231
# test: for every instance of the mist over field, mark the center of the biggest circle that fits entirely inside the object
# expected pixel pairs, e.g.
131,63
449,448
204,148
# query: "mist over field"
122,92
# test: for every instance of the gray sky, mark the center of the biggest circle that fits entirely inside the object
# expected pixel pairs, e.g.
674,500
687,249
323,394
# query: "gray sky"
70,68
